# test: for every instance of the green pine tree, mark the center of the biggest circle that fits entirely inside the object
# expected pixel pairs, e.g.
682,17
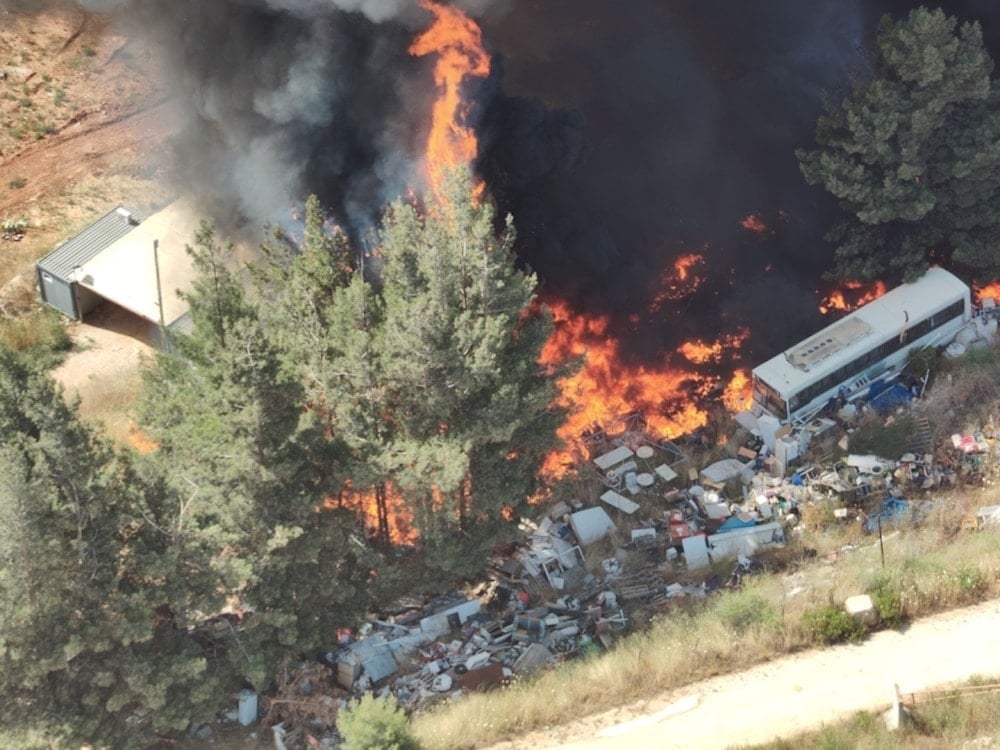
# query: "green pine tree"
468,400
235,440
914,154
84,572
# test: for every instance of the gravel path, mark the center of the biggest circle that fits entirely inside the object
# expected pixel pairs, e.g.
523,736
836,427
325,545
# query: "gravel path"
794,693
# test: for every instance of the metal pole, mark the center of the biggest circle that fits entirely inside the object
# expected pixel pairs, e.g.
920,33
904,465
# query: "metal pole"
881,548
159,293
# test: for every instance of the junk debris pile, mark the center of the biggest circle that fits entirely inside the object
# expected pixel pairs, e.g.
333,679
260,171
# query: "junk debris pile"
643,535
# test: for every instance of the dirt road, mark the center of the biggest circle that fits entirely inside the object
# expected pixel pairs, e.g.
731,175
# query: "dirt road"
89,144
794,693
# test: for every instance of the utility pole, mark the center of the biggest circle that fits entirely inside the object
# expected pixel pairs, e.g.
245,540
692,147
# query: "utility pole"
159,292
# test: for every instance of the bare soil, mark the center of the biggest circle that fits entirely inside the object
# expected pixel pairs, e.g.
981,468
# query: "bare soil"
84,122
103,370
84,126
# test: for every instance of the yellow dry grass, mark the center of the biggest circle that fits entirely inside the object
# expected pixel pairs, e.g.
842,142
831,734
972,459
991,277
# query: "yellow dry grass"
933,568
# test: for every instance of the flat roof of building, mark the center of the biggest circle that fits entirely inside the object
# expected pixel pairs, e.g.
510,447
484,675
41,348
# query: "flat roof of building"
124,271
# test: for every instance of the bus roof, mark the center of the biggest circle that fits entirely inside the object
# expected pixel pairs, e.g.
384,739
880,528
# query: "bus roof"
857,332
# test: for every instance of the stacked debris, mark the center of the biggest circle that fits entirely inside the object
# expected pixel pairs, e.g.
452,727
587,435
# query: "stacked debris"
637,538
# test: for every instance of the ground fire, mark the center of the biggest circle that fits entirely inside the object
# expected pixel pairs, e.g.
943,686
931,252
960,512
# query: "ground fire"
671,398
853,295
678,281
989,291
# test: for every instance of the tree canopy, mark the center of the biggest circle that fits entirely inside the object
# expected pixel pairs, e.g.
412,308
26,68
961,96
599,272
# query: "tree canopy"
913,155
469,400
89,582
140,591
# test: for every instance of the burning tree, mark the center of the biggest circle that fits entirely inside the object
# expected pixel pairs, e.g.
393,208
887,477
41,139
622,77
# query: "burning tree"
912,155
469,399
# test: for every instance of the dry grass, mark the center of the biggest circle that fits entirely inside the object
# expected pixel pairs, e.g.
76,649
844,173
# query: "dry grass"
108,403
931,569
958,719
53,219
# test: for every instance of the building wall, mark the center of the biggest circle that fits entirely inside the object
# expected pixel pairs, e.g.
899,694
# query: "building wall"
58,293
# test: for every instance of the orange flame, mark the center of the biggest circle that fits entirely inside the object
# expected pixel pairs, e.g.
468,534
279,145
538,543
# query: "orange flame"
398,517
605,388
738,393
852,296
700,353
989,291
754,223
678,281
457,41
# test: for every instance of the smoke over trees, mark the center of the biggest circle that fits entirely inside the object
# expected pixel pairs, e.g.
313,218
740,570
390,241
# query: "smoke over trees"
913,155
619,136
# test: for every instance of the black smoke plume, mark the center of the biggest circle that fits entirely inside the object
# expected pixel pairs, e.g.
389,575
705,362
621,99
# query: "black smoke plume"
619,135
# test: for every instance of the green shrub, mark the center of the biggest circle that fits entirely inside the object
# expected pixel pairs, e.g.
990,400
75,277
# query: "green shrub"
375,724
830,624
40,335
884,592
971,583
18,182
889,441
739,611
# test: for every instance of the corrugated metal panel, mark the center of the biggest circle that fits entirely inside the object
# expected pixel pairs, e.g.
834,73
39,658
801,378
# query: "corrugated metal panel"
183,325
79,249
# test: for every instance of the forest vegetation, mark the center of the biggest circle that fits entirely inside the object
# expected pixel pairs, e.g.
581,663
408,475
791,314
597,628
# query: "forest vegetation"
330,405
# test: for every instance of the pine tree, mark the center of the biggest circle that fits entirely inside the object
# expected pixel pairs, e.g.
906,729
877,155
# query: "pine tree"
914,154
229,416
83,573
327,320
468,399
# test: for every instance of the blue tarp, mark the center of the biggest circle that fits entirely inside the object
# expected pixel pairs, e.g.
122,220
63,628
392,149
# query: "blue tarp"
893,509
735,522
884,397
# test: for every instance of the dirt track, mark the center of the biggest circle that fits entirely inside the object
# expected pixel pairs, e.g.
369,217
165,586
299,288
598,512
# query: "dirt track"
89,144
794,693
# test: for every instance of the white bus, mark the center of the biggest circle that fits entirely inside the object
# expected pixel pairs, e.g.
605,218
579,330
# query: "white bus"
871,342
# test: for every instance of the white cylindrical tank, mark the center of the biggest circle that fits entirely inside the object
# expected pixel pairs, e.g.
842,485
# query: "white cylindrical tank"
955,350
967,335
247,710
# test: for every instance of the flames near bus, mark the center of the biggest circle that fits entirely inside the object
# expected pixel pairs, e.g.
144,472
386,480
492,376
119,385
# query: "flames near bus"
872,342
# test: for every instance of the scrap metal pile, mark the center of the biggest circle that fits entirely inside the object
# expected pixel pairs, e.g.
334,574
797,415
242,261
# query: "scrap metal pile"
644,532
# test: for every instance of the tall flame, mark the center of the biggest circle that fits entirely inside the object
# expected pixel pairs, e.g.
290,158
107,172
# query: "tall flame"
739,393
457,41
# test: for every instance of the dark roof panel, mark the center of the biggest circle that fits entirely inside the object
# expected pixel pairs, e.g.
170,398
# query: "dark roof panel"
77,250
